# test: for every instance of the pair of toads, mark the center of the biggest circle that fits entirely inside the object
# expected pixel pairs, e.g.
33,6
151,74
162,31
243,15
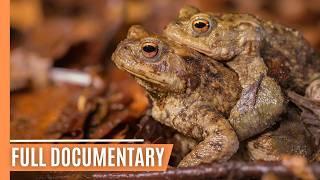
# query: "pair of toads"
221,79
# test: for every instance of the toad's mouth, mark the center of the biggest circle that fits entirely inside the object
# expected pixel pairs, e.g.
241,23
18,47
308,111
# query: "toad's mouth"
155,79
188,42
146,78
160,82
206,52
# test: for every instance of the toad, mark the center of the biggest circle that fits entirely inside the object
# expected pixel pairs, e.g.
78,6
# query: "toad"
190,92
262,53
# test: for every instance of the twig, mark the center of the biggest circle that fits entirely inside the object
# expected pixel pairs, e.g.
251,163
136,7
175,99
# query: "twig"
228,170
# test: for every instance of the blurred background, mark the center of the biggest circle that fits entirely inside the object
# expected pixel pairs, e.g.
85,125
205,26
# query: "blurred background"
63,84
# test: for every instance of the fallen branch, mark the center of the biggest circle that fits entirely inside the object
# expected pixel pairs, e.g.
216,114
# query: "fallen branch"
228,170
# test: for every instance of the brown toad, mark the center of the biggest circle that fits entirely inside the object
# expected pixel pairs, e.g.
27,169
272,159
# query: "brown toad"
256,50
190,92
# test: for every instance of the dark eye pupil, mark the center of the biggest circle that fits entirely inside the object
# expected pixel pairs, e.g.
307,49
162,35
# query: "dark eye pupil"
149,48
200,25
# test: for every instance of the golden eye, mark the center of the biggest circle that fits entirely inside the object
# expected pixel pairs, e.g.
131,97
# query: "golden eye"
201,25
149,49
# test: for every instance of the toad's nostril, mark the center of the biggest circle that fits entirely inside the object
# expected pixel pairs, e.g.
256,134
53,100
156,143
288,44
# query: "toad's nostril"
126,47
178,23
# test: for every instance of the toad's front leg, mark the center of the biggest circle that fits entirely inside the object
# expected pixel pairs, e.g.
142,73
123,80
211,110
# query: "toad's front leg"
218,140
219,145
261,101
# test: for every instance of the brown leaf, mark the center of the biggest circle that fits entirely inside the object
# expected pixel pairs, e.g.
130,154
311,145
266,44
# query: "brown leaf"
34,113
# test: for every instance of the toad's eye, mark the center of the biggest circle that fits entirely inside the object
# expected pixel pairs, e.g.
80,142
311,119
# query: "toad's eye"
149,50
201,25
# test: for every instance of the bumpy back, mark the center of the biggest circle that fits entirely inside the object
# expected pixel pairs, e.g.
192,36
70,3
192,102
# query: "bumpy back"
290,58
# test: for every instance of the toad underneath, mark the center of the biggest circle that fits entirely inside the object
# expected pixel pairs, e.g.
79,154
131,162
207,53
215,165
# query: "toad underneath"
190,92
